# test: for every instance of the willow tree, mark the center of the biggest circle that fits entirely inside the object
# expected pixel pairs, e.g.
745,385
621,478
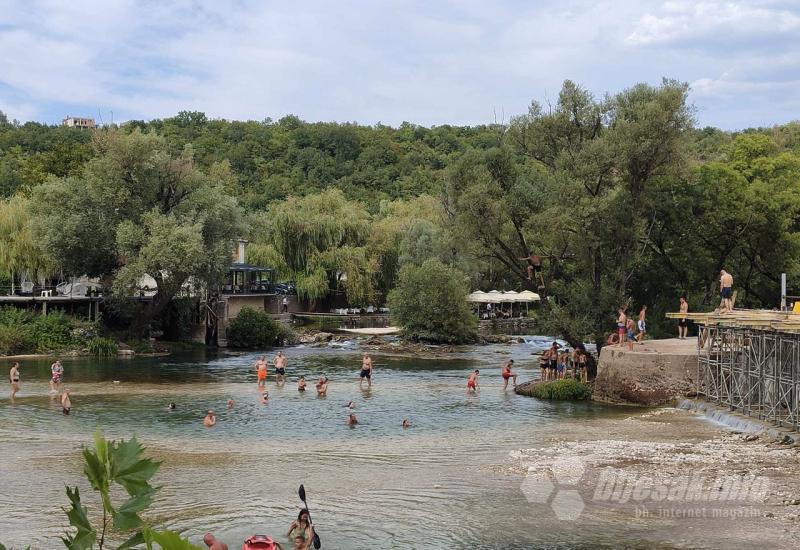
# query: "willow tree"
20,249
136,210
320,242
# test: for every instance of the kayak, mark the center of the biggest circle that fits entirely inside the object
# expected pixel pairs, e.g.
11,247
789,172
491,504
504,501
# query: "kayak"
259,542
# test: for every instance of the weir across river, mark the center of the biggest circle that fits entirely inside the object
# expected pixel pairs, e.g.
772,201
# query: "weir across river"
749,362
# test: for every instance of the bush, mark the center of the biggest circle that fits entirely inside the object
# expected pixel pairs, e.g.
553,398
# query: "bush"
15,339
256,329
24,332
568,389
430,303
103,347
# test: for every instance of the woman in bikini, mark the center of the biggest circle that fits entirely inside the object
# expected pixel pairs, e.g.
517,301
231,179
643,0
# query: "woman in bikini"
13,377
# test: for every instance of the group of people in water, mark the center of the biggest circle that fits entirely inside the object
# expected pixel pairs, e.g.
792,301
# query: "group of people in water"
57,389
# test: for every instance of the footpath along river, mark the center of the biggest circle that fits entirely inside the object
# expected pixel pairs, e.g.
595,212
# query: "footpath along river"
453,480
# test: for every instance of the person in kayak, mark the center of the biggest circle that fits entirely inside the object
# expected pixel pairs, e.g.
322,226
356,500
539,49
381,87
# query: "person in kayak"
301,528
213,544
506,372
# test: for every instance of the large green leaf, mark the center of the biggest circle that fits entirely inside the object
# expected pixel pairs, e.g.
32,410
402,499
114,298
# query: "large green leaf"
127,516
129,469
85,535
167,540
134,542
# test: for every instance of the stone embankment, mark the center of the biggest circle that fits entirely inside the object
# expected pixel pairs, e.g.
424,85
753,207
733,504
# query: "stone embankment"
654,373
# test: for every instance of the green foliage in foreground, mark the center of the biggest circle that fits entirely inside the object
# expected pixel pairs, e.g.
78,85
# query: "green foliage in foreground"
24,332
256,329
117,463
429,303
568,389
103,347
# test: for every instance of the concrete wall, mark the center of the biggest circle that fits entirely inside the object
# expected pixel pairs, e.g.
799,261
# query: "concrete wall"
653,376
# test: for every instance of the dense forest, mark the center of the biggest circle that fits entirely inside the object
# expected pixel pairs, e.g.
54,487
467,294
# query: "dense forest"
624,199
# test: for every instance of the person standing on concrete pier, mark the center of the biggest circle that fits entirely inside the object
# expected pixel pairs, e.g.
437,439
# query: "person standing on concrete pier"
642,325
622,324
726,292
683,324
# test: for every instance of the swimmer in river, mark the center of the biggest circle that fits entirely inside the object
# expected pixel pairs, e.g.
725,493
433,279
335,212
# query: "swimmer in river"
57,374
210,419
406,423
13,377
230,403
352,420
265,398
472,382
261,371
280,368
66,403
301,384
212,543
322,386
508,374
366,370
351,405
171,406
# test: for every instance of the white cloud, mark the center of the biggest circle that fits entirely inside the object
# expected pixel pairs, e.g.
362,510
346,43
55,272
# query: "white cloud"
450,61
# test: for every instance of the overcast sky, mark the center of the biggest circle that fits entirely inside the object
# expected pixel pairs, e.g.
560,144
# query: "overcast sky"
429,62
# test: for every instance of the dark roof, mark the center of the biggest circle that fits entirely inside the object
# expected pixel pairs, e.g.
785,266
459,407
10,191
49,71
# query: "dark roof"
248,267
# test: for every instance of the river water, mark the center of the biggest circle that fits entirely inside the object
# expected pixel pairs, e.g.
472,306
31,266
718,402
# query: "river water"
448,482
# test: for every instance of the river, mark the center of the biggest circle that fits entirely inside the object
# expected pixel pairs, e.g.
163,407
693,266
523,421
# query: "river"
450,481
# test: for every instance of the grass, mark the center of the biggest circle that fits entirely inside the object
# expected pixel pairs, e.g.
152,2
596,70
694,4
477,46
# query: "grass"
568,389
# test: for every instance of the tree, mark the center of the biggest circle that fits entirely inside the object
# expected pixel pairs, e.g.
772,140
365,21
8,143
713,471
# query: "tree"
319,241
430,303
20,250
138,211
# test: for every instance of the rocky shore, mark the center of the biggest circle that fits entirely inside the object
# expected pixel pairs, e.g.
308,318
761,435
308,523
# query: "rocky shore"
611,468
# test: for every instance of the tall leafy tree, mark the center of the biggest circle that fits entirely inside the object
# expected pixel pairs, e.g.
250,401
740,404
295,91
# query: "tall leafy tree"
135,211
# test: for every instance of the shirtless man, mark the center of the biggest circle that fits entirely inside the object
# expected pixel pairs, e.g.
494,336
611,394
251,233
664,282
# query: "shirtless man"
301,384
261,371
543,365
13,377
642,325
534,264
352,420
726,292
280,368
622,325
683,324
210,419
57,375
213,543
366,370
322,386
506,372
66,403
582,366
472,382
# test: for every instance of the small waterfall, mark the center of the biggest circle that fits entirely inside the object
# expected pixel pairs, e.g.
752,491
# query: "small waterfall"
734,421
